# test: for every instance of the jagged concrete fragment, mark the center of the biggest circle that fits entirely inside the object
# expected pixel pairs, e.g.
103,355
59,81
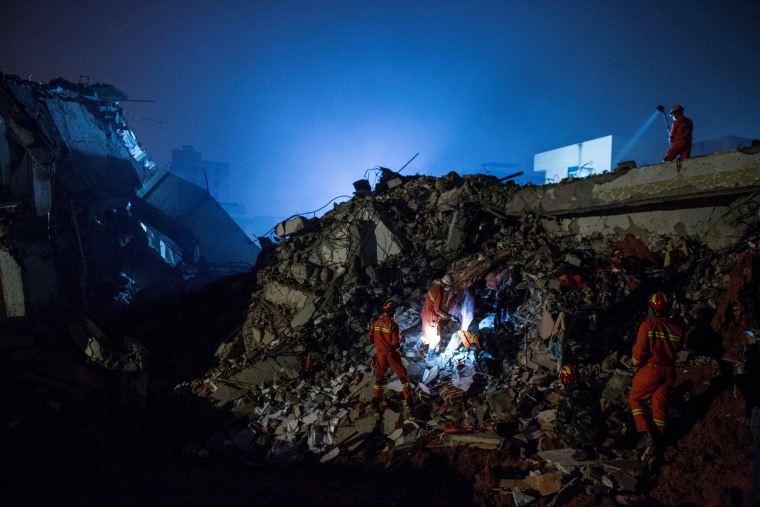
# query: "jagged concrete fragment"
303,316
456,232
280,294
395,182
328,456
290,227
479,440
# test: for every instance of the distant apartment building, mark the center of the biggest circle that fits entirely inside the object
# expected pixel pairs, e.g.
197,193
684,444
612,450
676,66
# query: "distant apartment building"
575,161
189,165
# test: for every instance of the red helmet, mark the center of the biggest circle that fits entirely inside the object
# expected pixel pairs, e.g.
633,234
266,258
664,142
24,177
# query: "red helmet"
568,374
389,306
658,301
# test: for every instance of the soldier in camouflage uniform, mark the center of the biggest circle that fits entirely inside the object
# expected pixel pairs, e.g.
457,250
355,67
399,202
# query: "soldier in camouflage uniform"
579,415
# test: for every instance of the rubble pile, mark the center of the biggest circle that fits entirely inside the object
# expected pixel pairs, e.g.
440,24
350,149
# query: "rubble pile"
298,375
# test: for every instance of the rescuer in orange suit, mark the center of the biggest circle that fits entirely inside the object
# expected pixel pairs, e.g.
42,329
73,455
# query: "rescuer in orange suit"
653,359
433,311
384,333
680,135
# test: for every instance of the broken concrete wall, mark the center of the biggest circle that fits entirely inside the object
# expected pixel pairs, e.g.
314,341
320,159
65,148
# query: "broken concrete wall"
98,161
729,173
28,279
12,283
642,201
648,226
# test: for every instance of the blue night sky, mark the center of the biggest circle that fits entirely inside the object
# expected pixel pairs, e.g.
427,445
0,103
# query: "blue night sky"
302,97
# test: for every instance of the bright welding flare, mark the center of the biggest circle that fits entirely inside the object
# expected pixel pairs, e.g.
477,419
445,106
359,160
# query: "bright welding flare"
466,312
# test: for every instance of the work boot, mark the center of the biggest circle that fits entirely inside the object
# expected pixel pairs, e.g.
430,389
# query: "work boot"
407,408
645,440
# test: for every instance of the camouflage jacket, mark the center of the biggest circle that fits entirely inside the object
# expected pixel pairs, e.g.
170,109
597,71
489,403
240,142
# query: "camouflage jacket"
579,416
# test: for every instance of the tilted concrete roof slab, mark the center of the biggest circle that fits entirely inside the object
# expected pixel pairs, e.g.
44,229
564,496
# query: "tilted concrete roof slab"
723,174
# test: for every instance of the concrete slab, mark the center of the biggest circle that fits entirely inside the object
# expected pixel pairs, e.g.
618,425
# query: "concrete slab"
479,440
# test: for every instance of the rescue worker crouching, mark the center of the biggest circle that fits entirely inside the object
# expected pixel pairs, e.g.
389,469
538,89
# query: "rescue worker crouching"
579,415
470,340
653,359
434,310
384,333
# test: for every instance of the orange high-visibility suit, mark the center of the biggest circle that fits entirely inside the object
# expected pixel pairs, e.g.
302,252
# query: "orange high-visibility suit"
384,333
680,138
654,357
432,311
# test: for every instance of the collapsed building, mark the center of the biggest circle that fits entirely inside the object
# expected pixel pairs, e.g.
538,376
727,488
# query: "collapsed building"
86,218
281,368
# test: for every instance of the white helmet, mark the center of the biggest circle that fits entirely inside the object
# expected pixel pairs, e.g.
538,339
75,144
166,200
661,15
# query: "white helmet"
447,280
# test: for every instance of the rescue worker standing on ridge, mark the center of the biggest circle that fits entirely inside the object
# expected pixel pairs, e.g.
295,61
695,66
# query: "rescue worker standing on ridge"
384,333
680,135
654,359
433,312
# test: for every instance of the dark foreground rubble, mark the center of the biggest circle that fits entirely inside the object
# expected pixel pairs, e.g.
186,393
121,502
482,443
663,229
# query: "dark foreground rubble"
257,388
